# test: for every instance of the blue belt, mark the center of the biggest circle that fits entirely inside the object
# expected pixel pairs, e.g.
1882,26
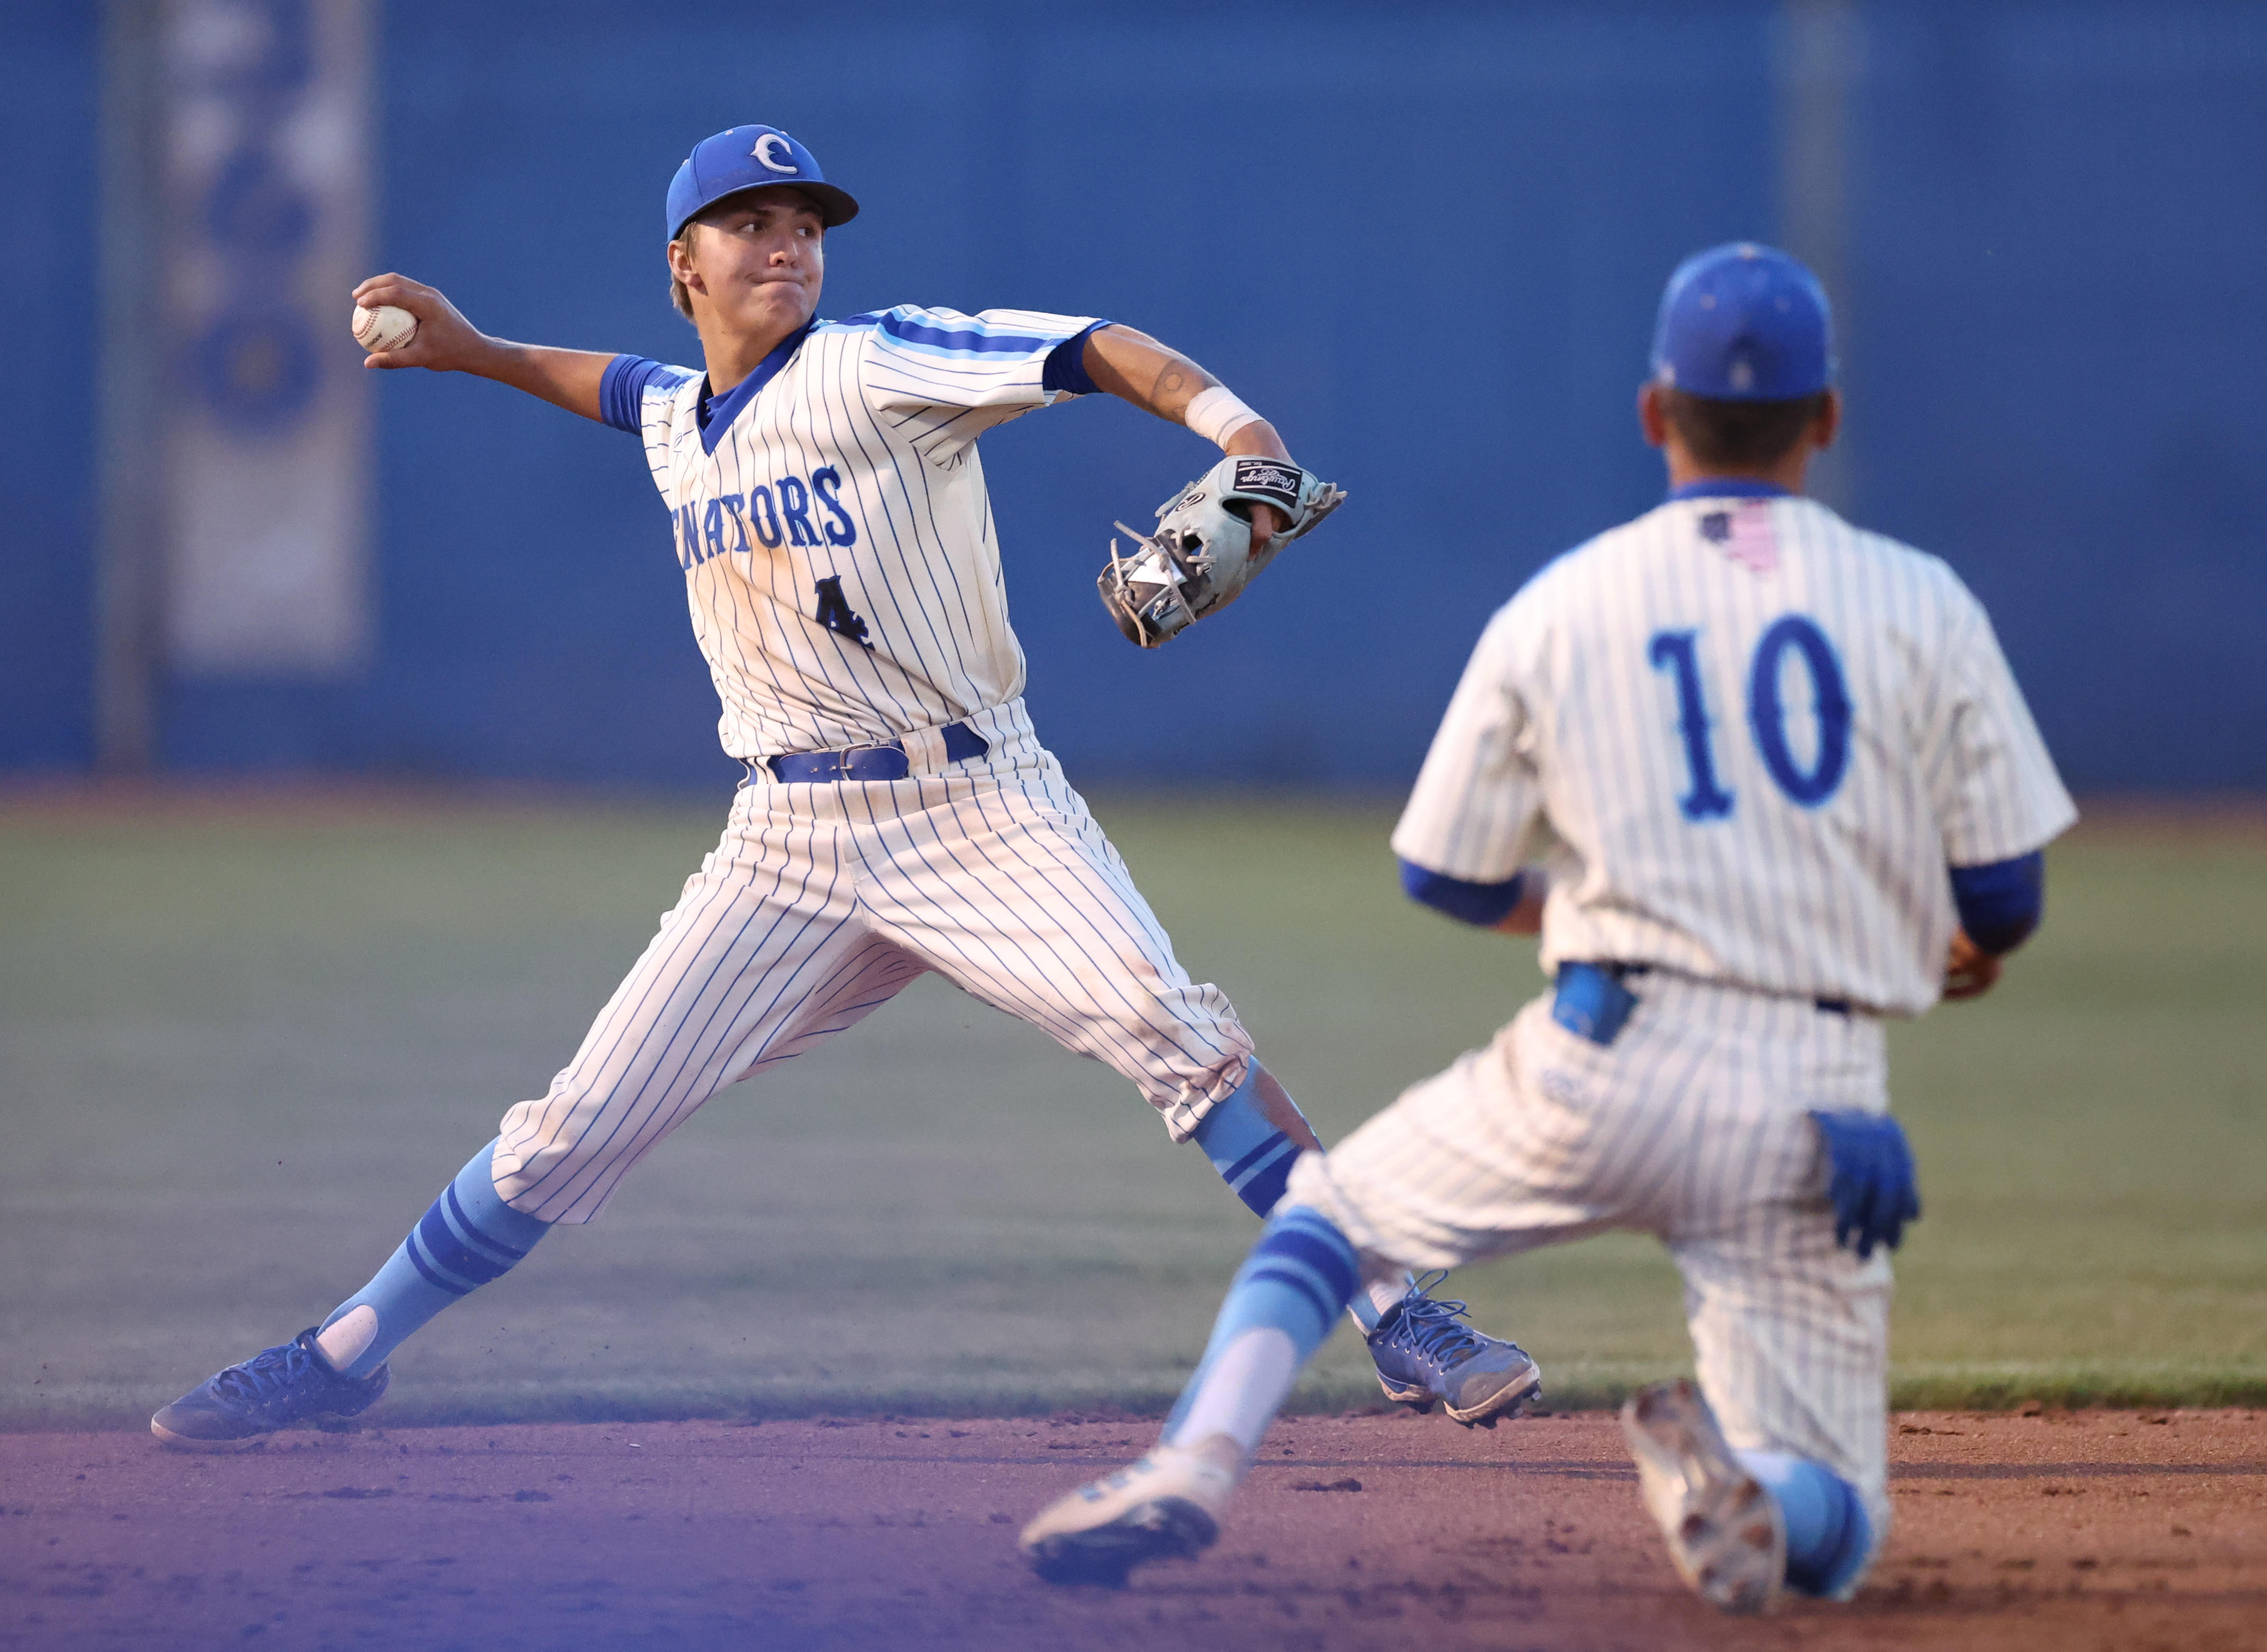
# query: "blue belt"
871,762
1591,1002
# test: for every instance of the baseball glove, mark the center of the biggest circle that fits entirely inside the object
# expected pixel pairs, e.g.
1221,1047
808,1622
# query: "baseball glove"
1201,558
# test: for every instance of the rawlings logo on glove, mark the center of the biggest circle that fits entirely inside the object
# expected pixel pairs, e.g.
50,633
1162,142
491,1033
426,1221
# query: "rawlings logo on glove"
1269,478
1201,558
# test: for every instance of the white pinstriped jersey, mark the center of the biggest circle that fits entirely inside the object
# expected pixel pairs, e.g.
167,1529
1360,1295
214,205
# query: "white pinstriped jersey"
835,530
1746,738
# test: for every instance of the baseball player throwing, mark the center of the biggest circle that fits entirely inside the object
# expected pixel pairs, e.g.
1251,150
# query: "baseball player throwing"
1781,786
898,815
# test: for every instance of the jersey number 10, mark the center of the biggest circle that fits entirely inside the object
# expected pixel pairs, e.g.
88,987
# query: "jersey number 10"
1677,652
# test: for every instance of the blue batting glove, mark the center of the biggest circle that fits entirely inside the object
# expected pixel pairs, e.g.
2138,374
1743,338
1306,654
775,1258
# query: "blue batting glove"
1873,1187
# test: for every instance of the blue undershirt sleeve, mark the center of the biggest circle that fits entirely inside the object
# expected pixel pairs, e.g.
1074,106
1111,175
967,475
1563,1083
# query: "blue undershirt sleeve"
2000,903
1485,905
1066,368
622,391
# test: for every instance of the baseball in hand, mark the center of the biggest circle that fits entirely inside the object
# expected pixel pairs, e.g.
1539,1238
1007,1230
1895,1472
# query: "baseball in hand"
386,328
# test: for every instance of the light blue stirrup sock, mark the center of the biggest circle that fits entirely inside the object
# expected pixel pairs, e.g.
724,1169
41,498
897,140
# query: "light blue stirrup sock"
467,1238
1828,1536
1255,1159
1252,1157
1283,1304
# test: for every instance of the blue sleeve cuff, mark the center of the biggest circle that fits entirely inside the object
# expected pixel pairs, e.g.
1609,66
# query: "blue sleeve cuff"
2000,904
621,391
1485,905
1066,369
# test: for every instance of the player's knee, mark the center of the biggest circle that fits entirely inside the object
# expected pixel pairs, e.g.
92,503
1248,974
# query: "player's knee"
1309,1186
1300,1274
1308,1183
533,1168
528,1162
1834,1566
1830,1537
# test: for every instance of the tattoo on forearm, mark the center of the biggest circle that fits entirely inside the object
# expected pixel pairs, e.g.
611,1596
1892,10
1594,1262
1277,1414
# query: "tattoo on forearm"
1177,384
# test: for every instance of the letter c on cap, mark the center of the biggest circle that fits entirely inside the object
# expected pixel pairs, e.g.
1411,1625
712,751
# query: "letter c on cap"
763,154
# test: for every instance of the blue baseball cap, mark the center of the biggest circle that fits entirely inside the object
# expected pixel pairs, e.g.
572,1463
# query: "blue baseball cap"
1744,323
748,158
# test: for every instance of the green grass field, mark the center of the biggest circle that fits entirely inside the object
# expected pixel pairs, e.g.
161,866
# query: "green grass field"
242,1044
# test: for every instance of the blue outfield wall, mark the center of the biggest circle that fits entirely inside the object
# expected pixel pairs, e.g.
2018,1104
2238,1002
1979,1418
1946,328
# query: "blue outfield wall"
2062,289
1426,240
47,428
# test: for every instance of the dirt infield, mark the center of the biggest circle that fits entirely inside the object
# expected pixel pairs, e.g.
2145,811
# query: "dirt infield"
2072,1531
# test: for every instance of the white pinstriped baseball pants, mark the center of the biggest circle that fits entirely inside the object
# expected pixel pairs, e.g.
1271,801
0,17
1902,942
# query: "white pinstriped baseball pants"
1690,1126
821,902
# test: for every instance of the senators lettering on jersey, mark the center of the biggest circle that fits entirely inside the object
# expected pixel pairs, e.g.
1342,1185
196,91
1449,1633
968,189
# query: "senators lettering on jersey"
832,520
772,515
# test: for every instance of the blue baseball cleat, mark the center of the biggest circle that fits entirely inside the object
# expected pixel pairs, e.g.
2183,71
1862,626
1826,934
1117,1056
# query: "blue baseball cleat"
274,1389
1426,1354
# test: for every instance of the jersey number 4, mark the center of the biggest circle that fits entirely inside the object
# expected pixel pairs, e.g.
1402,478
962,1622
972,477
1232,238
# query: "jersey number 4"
1677,653
836,613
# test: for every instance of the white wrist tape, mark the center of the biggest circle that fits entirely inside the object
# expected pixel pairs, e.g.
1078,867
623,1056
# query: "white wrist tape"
1216,415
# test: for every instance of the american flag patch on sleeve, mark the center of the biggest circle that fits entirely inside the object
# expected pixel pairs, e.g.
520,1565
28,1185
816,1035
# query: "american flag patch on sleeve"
1742,529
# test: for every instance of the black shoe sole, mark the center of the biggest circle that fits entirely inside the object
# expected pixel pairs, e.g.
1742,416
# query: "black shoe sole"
167,1438
1169,1528
329,1422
